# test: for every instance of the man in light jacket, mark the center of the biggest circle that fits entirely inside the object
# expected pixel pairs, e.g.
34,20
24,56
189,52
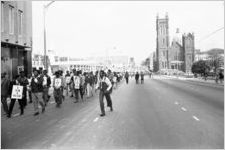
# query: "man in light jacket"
104,85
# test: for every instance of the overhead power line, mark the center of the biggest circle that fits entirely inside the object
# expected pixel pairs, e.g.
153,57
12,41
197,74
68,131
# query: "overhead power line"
206,37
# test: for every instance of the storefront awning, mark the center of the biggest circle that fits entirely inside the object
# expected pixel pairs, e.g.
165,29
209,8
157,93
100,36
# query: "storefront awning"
13,45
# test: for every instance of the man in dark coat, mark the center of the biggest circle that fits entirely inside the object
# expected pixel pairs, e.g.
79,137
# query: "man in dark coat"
5,85
137,77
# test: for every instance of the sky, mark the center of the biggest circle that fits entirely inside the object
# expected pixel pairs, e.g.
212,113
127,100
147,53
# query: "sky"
85,28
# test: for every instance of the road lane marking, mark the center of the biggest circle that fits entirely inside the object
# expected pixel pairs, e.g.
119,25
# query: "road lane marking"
195,118
176,103
184,109
96,119
16,115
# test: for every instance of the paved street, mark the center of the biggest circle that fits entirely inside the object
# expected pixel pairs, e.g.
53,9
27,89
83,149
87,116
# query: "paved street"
161,113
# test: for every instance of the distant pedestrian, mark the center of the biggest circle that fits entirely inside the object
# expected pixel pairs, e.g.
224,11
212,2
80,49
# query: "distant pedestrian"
76,82
150,74
5,91
221,76
142,77
88,83
62,89
115,80
68,81
82,85
92,83
104,85
58,85
127,77
137,77
37,92
72,83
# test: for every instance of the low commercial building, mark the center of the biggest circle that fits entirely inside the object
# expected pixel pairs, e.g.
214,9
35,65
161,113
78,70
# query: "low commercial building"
16,37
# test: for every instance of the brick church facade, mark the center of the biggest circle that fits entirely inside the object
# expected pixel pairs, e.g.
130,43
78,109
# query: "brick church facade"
179,54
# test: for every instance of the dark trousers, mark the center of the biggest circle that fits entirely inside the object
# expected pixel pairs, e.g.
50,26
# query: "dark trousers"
58,96
127,80
21,103
30,96
137,81
101,100
24,98
45,95
82,90
76,91
4,104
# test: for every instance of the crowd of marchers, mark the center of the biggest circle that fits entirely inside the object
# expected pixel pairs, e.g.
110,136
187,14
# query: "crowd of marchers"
75,83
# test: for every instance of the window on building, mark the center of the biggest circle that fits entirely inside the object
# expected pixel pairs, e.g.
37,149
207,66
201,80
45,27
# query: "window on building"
11,19
2,16
20,22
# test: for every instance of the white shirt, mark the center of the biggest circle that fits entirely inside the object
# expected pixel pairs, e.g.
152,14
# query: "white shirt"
106,80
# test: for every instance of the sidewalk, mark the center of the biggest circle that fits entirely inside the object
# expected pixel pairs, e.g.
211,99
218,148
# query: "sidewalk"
210,81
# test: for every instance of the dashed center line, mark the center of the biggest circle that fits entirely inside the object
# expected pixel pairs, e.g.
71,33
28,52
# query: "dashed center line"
96,119
16,115
195,118
184,109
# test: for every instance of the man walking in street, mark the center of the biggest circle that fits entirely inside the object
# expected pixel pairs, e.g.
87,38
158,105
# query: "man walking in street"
142,77
76,82
29,78
5,84
104,85
12,102
23,82
37,92
221,76
68,78
58,85
46,85
137,77
127,77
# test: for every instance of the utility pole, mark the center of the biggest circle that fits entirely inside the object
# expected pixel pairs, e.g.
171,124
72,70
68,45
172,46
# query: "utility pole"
45,57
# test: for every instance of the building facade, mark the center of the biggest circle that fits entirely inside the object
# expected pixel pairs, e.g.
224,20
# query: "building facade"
180,55
16,37
189,51
176,57
162,42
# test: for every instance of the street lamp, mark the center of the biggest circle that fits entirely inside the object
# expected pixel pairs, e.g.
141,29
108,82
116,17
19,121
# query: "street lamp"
45,57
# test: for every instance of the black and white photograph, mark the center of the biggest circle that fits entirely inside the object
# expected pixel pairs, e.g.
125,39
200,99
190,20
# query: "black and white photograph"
114,74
